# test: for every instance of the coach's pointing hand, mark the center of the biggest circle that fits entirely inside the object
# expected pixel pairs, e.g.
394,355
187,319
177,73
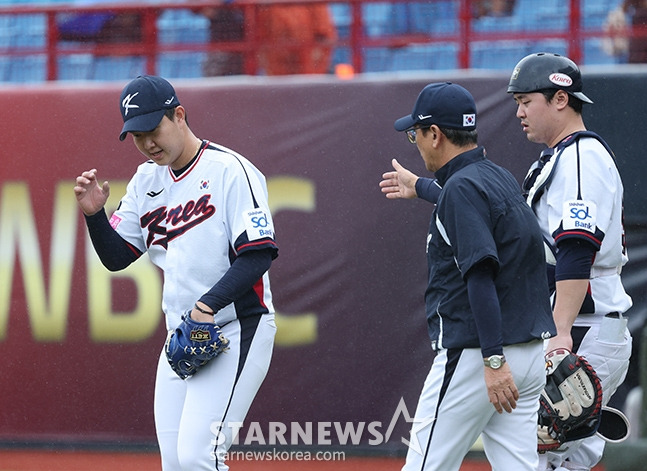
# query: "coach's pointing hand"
501,389
90,196
399,184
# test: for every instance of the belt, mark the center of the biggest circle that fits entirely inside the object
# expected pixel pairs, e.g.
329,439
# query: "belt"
597,272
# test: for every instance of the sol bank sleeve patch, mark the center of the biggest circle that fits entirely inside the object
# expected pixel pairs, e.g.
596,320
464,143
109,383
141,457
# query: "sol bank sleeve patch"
579,215
258,224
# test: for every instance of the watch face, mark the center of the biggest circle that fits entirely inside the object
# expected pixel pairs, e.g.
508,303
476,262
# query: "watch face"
495,362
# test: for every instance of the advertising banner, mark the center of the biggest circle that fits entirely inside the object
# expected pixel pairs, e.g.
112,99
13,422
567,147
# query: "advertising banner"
79,344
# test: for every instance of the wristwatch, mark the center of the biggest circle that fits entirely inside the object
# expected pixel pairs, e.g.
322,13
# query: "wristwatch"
495,361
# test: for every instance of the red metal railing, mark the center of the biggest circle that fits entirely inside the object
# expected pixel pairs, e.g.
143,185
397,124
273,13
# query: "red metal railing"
357,40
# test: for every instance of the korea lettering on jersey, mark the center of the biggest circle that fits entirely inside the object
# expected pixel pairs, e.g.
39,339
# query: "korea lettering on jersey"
583,199
194,225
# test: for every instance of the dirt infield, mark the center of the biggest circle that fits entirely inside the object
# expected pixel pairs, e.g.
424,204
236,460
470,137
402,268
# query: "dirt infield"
39,460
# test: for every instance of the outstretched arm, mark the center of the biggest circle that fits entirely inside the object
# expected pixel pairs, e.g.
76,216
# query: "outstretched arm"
403,183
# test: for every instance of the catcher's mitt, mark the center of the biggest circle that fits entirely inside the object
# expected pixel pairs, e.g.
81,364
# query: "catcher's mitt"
192,344
570,404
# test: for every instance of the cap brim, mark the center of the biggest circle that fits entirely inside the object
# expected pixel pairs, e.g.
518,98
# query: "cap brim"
404,123
582,97
143,123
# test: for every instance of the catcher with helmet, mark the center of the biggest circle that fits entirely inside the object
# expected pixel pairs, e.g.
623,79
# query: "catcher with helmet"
576,193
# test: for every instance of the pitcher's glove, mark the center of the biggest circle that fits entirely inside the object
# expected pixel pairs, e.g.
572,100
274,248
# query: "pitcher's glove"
193,344
570,405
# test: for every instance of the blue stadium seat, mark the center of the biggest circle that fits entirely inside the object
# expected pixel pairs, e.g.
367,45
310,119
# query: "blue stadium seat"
117,68
341,18
595,12
542,15
180,65
28,30
554,7
182,26
441,56
28,69
593,54
498,55
594,20
376,18
433,18
75,67
6,30
598,5
557,46
5,68
378,59
341,55
166,28
528,8
490,24
380,19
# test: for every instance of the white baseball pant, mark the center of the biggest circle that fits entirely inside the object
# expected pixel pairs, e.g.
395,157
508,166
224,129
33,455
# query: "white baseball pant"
192,415
454,410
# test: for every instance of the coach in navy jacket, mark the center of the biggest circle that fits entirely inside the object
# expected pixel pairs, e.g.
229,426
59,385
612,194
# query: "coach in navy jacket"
487,299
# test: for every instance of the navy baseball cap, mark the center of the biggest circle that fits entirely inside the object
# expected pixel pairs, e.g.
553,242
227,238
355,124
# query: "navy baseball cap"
143,103
446,105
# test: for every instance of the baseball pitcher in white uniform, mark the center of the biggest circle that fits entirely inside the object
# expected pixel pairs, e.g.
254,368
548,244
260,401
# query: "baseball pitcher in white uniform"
200,211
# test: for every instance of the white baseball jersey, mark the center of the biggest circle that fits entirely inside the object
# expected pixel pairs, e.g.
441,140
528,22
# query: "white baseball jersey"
578,194
194,225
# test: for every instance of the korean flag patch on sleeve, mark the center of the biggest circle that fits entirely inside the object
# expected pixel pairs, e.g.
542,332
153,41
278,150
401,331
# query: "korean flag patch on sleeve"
258,224
580,215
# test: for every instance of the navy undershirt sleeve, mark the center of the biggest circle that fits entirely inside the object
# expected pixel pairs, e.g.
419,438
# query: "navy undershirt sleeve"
246,270
113,251
484,303
428,189
574,260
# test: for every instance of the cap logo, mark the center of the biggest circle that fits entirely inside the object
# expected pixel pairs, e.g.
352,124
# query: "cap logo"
421,117
170,100
515,73
126,103
562,80
469,120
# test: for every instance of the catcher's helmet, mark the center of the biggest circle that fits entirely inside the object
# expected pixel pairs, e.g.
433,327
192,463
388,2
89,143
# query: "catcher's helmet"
542,71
